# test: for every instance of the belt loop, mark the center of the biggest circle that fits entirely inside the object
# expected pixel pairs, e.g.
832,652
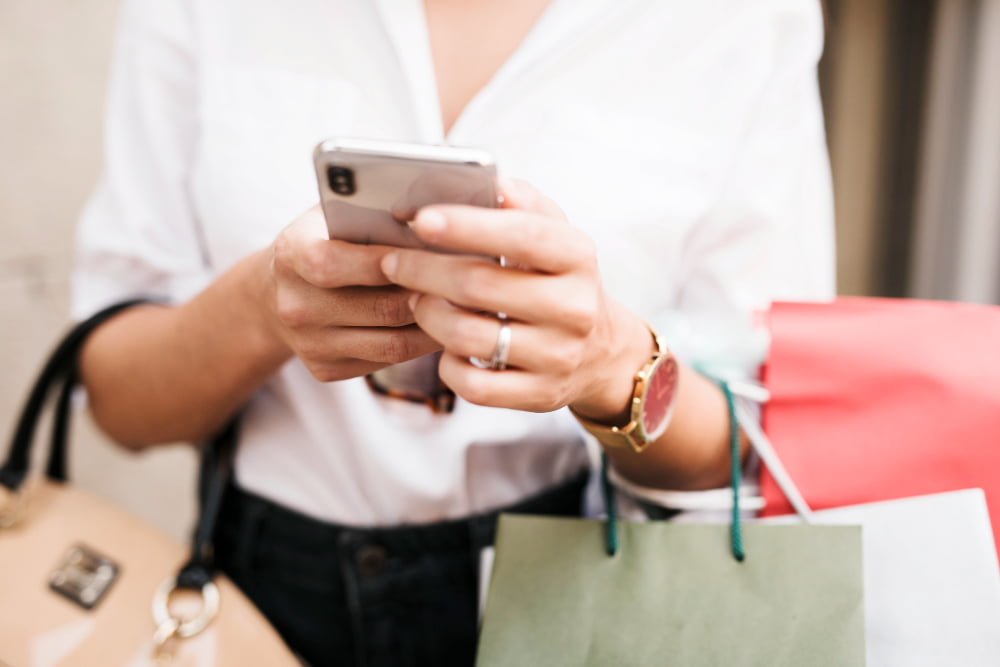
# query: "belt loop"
348,543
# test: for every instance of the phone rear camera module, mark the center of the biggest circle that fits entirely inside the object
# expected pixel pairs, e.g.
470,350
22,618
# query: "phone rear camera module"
341,180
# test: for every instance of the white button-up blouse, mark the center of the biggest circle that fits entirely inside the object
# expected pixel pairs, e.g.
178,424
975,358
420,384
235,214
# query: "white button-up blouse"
686,138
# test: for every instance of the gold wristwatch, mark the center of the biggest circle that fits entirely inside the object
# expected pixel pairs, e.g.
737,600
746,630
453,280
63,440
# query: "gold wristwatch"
652,404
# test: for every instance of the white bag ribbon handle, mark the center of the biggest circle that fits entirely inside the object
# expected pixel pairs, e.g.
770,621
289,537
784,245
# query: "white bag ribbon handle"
769,457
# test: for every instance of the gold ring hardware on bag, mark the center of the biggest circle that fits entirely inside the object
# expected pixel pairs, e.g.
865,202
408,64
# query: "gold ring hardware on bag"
170,626
163,641
13,505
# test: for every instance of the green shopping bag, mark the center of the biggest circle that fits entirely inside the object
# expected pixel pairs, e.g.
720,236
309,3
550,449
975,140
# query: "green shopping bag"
582,593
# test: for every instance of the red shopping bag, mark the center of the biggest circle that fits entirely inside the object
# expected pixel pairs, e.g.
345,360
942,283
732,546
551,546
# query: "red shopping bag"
876,399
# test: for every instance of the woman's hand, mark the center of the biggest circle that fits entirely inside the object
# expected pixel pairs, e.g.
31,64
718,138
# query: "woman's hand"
570,343
333,307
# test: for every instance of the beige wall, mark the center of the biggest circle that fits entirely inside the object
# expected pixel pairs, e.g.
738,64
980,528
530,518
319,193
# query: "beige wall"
53,65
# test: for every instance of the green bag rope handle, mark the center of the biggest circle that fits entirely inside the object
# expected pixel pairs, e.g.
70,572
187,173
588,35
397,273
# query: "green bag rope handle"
735,465
735,525
611,522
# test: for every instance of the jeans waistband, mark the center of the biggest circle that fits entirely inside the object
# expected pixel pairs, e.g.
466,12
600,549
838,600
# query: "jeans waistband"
294,529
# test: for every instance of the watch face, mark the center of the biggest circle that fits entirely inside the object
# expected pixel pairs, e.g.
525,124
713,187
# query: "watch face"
660,391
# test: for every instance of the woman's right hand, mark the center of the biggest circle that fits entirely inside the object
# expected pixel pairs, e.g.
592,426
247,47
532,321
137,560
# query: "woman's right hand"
332,306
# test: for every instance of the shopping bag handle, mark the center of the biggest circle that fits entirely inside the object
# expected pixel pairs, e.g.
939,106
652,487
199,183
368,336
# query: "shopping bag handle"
735,475
610,509
769,457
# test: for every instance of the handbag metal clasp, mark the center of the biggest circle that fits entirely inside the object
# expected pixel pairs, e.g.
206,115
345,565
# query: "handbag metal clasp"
171,627
187,626
83,576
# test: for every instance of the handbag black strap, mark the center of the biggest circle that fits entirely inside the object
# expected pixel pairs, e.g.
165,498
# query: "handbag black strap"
61,373
216,472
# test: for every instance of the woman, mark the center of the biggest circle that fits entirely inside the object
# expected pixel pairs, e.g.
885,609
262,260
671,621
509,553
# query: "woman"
679,175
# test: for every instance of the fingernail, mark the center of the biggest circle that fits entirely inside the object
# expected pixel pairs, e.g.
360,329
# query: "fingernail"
389,263
412,301
430,222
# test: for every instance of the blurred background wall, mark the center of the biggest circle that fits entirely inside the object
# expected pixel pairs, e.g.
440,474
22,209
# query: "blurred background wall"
53,71
912,96
911,90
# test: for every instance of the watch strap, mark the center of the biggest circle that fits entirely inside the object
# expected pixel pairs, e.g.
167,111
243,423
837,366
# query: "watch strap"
612,436
625,436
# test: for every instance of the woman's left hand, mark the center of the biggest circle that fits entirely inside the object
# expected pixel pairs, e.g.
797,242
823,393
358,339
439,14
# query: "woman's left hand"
571,344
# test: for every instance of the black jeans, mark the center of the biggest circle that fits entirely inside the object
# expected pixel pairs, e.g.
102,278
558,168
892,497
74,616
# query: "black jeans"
385,597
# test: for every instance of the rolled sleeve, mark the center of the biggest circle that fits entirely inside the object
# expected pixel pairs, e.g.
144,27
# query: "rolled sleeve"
138,234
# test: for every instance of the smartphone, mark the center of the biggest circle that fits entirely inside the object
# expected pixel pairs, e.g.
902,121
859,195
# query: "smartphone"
370,189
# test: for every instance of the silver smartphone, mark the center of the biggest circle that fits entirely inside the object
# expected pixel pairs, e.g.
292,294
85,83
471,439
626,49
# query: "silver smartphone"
370,189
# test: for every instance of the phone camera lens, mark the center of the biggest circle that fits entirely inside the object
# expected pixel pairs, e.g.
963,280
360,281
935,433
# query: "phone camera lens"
341,180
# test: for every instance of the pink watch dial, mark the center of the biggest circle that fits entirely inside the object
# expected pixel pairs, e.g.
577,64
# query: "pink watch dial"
658,403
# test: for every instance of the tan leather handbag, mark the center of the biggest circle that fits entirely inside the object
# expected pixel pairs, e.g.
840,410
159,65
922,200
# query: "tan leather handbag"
85,583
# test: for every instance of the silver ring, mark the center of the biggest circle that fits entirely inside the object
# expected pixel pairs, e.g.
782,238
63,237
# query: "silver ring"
502,351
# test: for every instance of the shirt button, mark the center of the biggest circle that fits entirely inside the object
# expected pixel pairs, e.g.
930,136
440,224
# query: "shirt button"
371,560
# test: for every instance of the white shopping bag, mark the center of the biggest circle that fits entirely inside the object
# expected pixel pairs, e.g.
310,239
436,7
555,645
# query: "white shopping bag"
932,585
